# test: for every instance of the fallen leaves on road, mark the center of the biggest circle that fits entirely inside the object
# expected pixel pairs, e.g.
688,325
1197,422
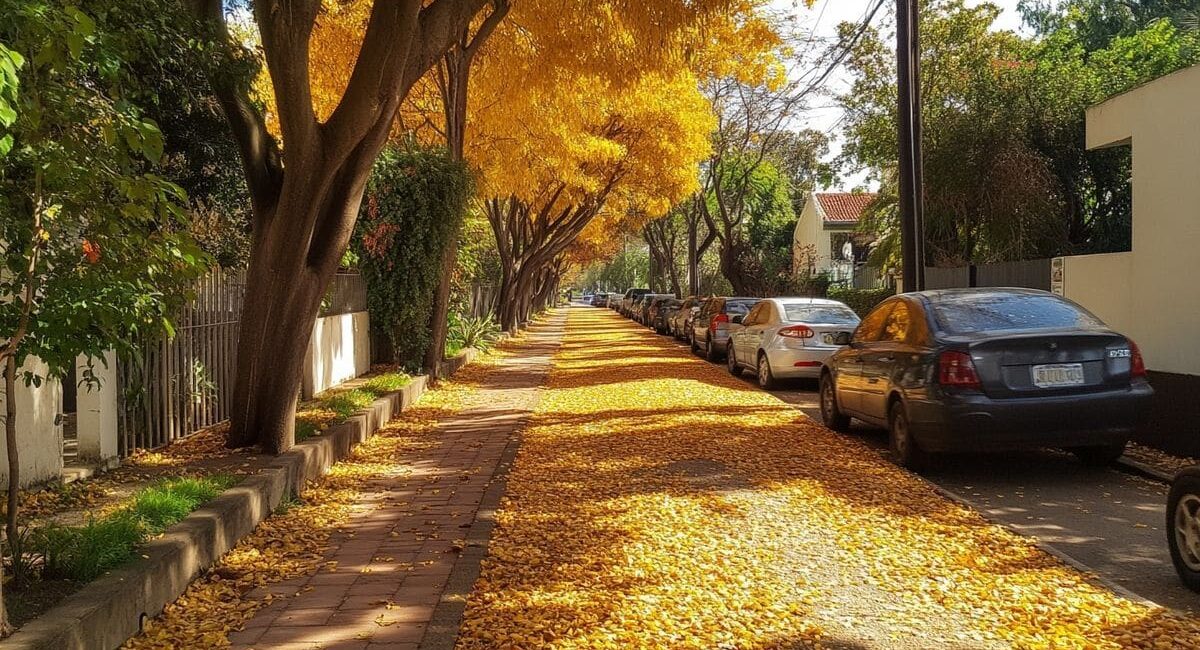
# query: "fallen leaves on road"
658,503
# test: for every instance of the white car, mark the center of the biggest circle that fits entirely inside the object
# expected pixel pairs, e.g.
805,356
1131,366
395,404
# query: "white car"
785,338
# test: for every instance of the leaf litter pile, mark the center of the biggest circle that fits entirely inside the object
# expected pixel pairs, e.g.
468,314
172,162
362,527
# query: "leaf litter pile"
657,502
294,541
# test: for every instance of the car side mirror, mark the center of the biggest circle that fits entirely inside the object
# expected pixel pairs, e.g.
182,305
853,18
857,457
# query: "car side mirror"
737,320
842,338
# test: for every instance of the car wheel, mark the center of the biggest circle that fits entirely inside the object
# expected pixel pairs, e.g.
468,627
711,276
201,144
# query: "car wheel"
830,414
731,361
1183,528
905,450
766,378
1099,456
710,351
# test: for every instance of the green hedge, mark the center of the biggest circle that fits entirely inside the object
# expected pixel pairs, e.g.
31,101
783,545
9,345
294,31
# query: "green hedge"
861,300
413,206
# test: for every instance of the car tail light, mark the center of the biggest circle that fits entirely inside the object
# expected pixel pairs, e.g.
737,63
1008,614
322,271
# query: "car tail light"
797,332
717,320
1137,365
956,369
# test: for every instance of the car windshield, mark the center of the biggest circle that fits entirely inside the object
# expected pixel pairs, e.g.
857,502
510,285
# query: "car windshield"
831,314
970,313
734,308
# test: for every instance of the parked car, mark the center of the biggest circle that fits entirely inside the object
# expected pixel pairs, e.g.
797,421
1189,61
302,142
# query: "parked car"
635,307
1183,526
599,300
660,312
681,319
785,338
710,327
988,369
627,301
643,315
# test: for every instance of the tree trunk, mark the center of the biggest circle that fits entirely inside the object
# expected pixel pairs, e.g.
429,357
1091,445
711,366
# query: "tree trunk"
439,317
284,295
14,476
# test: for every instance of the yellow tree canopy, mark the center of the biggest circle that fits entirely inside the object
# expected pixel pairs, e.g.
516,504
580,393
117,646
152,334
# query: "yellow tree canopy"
568,93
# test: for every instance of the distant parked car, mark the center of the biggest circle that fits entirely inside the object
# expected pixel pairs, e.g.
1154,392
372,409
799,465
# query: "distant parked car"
660,312
627,301
643,315
1183,526
599,300
988,369
681,319
710,327
784,338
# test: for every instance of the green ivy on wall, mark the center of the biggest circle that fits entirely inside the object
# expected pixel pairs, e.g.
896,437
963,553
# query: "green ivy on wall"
414,203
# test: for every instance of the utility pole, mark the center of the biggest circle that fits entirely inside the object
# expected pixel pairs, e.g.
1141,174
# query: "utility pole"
912,196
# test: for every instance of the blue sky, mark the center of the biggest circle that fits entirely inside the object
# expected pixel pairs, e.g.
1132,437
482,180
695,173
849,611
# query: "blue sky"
826,15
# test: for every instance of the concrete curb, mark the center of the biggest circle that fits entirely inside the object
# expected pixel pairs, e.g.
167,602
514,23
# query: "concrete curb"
108,611
1137,468
1087,572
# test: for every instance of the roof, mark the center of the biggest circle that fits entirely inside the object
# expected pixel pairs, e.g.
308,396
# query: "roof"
842,207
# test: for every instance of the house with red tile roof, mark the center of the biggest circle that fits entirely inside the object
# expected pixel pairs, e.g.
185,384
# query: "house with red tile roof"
827,236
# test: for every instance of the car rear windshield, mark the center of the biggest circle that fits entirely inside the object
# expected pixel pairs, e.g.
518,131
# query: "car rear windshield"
738,307
831,314
972,313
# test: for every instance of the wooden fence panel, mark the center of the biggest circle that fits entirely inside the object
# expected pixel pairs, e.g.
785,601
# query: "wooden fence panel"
172,388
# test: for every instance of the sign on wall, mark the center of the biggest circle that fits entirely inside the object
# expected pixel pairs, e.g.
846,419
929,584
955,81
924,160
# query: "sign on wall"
1057,271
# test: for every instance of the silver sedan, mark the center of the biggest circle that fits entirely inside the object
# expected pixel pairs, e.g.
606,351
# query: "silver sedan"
784,338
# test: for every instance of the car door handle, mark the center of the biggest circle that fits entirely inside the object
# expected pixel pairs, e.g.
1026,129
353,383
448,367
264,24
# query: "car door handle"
886,359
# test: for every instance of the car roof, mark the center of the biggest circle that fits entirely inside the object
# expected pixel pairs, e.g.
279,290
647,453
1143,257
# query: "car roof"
806,301
934,295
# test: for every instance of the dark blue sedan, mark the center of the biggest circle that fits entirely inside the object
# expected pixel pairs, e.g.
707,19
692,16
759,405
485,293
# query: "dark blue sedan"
988,369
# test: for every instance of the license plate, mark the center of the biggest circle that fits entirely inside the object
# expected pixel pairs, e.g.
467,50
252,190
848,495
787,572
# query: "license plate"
830,338
1058,374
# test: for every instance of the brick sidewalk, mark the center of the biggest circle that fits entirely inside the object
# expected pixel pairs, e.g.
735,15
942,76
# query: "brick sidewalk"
410,553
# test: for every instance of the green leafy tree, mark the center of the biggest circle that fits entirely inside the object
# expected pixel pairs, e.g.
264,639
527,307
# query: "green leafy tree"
1006,172
94,243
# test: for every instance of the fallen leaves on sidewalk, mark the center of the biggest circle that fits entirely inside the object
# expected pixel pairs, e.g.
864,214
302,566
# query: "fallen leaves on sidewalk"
293,542
658,503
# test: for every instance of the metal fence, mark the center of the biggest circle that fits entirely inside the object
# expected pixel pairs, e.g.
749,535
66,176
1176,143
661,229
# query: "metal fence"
1031,274
172,388
347,294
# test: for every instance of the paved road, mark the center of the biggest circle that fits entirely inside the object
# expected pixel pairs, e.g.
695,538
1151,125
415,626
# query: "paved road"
1106,520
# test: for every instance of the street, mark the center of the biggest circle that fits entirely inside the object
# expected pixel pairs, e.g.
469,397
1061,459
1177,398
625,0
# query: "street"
1106,520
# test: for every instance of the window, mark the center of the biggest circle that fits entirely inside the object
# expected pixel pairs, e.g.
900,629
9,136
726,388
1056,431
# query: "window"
734,308
756,315
968,313
824,314
869,329
898,324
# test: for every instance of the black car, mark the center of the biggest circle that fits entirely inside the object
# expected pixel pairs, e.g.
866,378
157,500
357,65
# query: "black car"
988,369
660,312
627,302
643,314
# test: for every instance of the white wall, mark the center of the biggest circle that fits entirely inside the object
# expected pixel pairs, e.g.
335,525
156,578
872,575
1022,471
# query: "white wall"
39,436
1161,122
810,238
340,350
1102,284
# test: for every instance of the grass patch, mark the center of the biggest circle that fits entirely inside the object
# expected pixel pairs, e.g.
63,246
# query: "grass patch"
83,553
337,406
388,382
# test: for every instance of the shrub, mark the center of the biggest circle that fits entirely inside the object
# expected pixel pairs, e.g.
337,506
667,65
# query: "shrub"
161,505
468,332
413,207
861,300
